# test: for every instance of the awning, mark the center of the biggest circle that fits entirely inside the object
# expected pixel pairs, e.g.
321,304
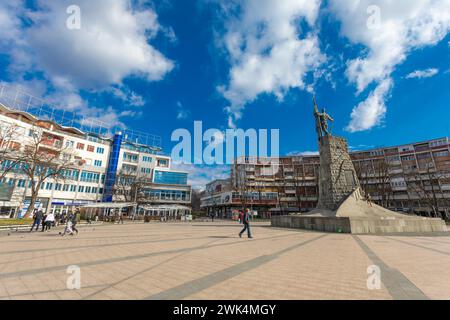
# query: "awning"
164,207
110,205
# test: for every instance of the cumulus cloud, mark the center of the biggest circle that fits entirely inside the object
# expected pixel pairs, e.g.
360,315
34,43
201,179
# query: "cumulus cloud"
419,74
268,50
370,112
113,43
389,31
200,175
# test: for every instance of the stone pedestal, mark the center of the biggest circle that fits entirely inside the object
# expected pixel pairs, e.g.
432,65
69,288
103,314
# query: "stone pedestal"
337,176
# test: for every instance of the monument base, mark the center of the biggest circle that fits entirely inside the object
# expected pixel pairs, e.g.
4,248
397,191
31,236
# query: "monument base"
357,216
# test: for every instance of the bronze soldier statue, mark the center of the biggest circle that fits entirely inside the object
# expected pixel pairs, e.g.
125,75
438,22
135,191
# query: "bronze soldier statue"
322,119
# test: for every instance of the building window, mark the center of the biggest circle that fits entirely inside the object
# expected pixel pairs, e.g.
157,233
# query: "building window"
438,143
441,154
168,177
94,190
147,159
163,163
88,189
146,170
58,187
90,148
100,150
73,188
80,188
129,169
128,157
89,176
80,146
408,158
21,183
70,144
66,187
49,186
97,163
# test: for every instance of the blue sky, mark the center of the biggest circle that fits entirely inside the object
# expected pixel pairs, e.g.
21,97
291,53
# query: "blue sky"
382,71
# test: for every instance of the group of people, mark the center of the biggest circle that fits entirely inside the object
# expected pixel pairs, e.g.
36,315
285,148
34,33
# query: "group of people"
47,221
43,220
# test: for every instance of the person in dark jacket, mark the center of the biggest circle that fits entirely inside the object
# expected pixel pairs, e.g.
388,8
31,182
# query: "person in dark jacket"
44,217
75,219
37,220
246,222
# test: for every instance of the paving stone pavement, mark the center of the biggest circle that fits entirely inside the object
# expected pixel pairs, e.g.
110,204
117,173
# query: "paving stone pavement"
207,260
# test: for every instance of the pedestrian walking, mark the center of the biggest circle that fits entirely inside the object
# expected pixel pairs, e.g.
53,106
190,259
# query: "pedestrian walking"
38,215
369,199
246,222
75,219
68,228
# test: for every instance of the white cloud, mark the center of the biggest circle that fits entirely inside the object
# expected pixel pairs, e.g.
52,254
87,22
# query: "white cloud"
128,96
419,74
200,175
370,112
112,44
267,50
303,153
404,25
182,112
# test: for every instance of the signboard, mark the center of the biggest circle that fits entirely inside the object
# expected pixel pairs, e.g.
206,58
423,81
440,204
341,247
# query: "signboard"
6,192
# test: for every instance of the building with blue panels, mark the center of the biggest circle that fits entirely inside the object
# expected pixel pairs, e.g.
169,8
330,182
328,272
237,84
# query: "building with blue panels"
101,161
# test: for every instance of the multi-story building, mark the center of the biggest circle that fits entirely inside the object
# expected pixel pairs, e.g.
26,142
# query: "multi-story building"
408,178
222,200
98,163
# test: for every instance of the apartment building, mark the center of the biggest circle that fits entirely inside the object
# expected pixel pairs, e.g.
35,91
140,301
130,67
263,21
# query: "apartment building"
98,162
409,178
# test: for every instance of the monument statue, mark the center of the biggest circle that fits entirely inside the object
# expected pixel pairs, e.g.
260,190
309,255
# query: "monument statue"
342,205
322,119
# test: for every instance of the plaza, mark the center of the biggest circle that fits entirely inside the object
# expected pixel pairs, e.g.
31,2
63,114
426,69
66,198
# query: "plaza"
207,260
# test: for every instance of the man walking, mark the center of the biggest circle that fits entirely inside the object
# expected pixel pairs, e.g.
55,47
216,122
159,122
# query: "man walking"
37,220
246,222
75,219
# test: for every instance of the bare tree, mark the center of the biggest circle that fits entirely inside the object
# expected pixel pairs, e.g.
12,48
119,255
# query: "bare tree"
427,187
363,168
239,183
43,157
9,155
281,186
383,181
196,200
299,185
131,186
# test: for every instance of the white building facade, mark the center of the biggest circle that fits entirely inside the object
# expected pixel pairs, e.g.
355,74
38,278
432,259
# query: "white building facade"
98,160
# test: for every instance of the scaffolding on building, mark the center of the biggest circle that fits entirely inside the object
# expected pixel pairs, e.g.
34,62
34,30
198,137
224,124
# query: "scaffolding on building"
16,99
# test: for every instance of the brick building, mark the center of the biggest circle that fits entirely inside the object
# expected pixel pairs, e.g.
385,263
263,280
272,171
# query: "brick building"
413,178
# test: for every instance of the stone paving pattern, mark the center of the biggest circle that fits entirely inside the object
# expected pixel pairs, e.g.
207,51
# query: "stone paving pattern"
205,260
